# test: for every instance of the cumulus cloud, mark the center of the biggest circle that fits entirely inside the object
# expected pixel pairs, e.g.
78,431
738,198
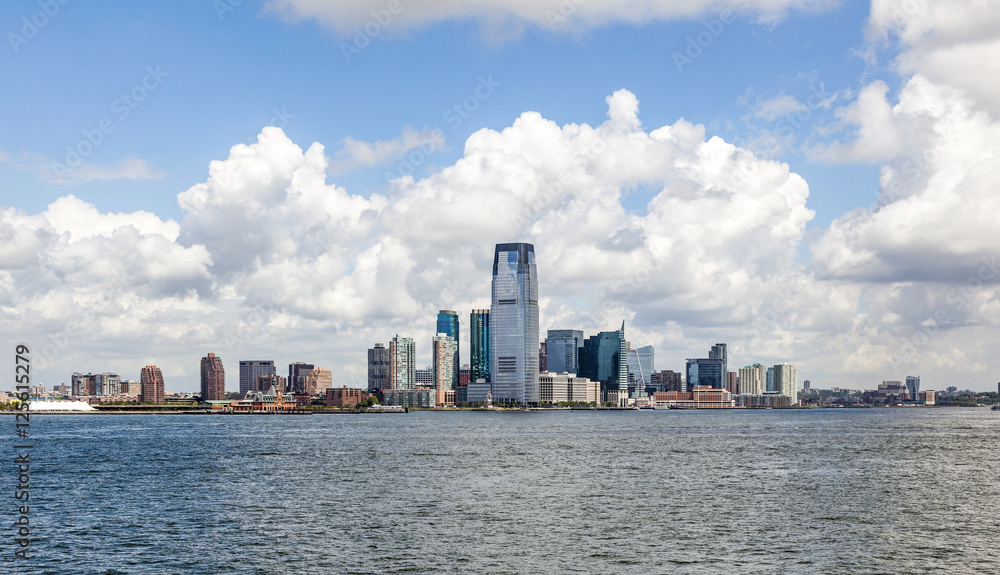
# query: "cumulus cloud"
500,19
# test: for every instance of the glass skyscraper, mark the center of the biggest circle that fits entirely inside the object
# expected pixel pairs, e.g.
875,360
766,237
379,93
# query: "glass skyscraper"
562,346
603,358
479,345
447,323
720,351
640,370
706,373
250,370
514,325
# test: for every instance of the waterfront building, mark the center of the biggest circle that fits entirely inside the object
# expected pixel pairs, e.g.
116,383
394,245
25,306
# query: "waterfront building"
424,377
666,380
700,397
266,381
705,373
447,323
269,401
251,370
378,368
720,351
603,358
732,382
463,375
562,350
318,381
344,396
514,325
130,387
478,392
763,400
297,374
151,379
107,384
927,397
63,389
913,386
639,364
443,355
213,378
888,393
769,380
479,345
83,385
402,363
751,379
786,381
562,387
420,397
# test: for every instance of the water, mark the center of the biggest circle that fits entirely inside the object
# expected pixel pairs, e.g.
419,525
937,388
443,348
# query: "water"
819,491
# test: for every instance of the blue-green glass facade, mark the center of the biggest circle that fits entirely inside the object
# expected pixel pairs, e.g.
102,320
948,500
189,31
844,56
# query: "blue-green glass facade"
603,359
447,323
479,345
514,325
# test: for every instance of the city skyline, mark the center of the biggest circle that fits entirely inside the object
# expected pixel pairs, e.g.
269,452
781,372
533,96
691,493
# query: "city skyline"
807,181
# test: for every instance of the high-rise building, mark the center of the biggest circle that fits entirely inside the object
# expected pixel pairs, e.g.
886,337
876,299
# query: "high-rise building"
769,380
806,384
268,380
378,368
543,359
666,380
752,379
424,377
213,378
83,385
913,385
562,350
603,358
297,374
447,323
479,345
318,381
151,379
443,353
706,373
514,325
402,363
786,381
640,370
250,370
732,379
720,351
107,384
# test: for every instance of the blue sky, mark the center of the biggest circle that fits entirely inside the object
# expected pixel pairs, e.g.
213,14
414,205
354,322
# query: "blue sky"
847,105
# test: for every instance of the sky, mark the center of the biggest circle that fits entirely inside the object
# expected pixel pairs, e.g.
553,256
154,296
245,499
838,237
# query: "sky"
809,181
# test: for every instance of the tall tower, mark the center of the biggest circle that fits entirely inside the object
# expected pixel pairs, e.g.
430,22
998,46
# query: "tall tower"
250,370
152,384
514,325
213,378
297,374
402,363
562,346
443,353
447,323
479,345
719,351
378,368
913,385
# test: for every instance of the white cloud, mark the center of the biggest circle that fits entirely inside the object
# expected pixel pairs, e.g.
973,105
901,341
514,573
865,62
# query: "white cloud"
781,105
127,169
500,19
357,153
879,135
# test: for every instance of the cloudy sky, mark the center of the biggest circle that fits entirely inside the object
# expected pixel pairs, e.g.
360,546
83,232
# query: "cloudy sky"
811,181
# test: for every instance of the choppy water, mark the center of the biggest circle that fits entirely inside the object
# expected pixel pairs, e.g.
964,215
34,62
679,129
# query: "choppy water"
821,491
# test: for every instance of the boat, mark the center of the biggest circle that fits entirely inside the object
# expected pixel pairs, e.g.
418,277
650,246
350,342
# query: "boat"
995,407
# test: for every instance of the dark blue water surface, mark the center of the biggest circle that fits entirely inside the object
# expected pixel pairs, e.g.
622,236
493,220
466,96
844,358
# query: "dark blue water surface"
818,491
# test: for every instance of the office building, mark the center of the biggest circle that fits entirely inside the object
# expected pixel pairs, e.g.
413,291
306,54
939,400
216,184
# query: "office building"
402,363
786,382
732,378
603,358
378,368
555,388
479,345
343,396
297,373
318,381
514,325
447,323
266,381
151,379
705,373
83,385
913,385
250,370
543,359
640,370
213,378
562,350
443,354
107,384
769,380
424,377
720,351
752,379
666,380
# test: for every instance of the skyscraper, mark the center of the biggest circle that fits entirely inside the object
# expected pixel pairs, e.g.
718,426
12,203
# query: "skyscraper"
297,374
640,370
769,380
378,368
318,381
479,345
786,381
443,353
213,378
152,384
913,385
706,373
514,325
752,379
603,358
720,351
447,323
250,370
402,363
562,349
